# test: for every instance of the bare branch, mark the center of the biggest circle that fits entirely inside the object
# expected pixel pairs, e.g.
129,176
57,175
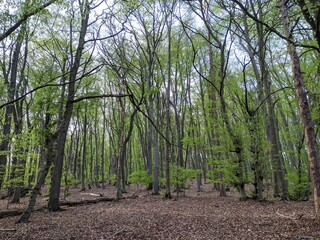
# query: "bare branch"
101,96
292,216
49,84
272,29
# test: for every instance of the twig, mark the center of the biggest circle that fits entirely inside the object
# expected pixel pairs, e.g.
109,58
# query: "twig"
116,233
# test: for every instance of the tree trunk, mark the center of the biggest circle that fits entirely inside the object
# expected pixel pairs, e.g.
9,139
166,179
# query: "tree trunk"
84,152
53,203
308,124
155,148
18,125
11,85
91,157
96,143
168,91
121,151
103,147
46,159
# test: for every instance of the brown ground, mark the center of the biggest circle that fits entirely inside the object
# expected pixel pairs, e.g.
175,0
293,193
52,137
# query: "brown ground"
202,215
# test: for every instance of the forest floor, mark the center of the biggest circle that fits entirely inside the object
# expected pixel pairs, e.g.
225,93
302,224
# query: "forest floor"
141,215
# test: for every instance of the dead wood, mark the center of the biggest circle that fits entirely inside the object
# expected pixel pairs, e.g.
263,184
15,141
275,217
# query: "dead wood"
152,217
16,212
8,230
117,233
8,213
86,201
292,216
93,194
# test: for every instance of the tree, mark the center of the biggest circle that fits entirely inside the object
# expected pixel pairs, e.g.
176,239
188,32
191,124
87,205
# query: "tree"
29,10
11,83
53,203
254,42
205,12
308,124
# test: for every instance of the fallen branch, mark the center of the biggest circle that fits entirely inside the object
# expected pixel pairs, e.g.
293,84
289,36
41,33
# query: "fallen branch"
9,213
85,202
93,194
292,216
116,233
8,230
15,212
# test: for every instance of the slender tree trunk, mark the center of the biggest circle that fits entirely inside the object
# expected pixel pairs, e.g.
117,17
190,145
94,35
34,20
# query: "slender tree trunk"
148,150
154,139
68,166
261,72
11,85
168,122
96,143
19,169
84,152
76,151
53,203
308,124
103,148
46,159
18,125
121,151
91,158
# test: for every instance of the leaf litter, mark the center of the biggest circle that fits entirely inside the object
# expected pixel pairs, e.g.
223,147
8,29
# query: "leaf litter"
141,215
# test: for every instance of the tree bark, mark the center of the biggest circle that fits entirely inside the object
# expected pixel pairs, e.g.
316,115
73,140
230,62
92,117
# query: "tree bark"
308,124
11,85
47,157
53,203
103,147
84,152
18,126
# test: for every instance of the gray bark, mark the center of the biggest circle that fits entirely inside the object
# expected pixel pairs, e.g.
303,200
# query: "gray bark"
53,203
308,124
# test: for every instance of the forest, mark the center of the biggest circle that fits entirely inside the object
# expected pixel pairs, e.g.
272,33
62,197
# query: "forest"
168,97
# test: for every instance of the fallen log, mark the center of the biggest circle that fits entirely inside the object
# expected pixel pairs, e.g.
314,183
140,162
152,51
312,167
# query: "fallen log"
15,212
292,217
8,230
93,194
9,213
86,201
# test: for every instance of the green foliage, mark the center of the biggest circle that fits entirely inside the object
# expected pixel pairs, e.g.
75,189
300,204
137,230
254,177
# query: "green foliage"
179,175
140,177
71,181
48,178
153,90
223,172
18,179
113,179
299,189
15,182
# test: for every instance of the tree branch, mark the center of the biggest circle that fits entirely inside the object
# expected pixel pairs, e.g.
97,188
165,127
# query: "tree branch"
100,96
272,29
24,18
49,84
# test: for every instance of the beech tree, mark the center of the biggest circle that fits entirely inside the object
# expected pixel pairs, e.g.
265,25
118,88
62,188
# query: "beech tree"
28,11
308,124
159,92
